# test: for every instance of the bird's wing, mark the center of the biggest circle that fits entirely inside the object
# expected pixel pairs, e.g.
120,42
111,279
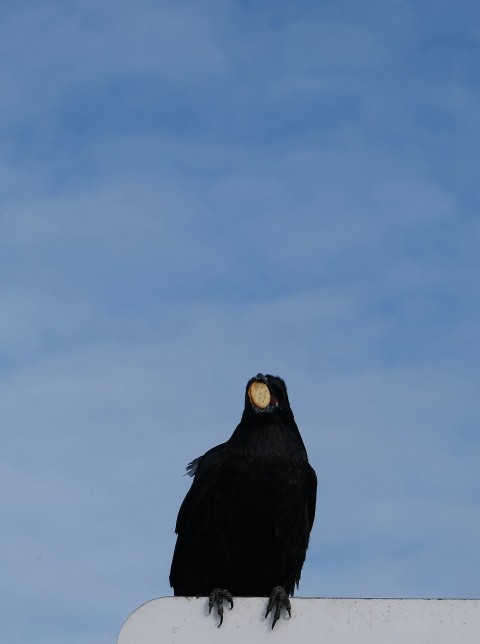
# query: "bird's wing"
205,470
193,511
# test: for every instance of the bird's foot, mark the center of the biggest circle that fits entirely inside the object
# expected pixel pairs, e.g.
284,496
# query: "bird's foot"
278,598
216,598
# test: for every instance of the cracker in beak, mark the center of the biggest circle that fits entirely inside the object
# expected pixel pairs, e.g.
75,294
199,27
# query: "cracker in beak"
259,394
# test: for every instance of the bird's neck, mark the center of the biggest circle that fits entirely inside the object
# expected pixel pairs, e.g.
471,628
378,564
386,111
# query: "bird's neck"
269,441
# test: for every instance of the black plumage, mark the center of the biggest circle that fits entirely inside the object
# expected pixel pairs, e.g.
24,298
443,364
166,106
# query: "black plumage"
244,526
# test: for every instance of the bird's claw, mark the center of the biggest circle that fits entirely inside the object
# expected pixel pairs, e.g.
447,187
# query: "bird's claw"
216,598
278,598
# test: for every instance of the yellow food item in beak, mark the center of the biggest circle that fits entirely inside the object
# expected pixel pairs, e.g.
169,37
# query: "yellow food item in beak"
259,394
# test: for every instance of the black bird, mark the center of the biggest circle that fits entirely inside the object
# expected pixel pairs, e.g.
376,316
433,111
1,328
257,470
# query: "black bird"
244,525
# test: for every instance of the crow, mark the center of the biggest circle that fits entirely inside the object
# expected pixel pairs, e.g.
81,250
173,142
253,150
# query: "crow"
244,525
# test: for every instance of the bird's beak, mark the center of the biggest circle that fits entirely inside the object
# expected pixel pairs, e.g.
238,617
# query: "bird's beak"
261,396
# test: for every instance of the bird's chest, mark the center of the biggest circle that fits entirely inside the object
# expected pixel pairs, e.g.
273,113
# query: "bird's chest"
261,496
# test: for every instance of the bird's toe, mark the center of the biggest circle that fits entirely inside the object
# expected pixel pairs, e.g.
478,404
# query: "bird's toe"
278,598
216,598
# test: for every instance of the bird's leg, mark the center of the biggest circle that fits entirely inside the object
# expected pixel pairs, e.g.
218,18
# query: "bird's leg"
216,597
278,598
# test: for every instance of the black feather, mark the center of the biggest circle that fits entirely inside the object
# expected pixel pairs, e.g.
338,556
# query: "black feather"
245,523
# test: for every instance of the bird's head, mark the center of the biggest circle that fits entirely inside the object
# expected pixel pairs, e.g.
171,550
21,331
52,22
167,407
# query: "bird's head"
266,394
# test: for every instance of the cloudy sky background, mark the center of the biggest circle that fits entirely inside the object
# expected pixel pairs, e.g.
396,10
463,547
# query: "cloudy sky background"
190,193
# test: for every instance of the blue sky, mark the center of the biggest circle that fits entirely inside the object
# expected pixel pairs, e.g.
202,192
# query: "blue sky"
190,193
